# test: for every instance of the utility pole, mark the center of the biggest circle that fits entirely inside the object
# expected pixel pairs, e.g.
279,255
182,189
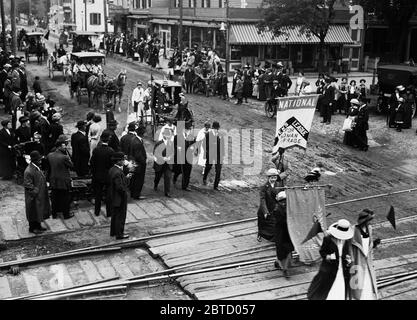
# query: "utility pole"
105,17
3,26
85,15
227,38
30,8
13,22
180,27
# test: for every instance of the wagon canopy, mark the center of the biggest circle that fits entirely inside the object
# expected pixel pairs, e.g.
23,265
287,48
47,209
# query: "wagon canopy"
88,55
34,34
394,75
167,83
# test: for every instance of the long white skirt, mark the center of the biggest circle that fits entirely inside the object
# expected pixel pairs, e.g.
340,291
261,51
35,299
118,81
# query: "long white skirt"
337,291
367,290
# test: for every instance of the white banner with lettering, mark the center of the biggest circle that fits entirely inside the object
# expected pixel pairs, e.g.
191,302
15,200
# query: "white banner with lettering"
294,118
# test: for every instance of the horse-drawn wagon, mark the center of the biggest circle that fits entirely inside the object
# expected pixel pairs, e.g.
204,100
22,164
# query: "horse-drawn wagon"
81,74
57,62
164,96
33,46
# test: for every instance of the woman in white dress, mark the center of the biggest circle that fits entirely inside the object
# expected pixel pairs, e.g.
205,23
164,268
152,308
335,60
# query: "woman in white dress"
332,280
94,133
299,83
364,287
200,145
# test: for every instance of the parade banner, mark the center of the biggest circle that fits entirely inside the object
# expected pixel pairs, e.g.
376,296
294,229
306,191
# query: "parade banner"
306,207
294,118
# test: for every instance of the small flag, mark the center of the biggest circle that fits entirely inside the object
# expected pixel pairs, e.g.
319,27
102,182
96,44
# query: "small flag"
46,36
152,77
391,217
315,230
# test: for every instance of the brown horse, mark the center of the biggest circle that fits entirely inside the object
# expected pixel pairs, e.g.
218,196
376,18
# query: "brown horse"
96,87
115,87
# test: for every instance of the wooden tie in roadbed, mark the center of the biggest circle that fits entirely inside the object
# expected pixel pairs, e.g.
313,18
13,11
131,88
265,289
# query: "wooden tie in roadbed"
237,243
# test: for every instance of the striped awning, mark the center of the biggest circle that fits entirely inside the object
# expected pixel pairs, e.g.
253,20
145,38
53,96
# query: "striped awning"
247,34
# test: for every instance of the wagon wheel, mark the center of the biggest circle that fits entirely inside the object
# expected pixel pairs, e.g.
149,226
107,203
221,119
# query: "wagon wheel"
154,125
269,109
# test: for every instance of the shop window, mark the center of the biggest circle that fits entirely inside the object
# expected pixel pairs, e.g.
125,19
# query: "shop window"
196,36
221,44
236,53
277,52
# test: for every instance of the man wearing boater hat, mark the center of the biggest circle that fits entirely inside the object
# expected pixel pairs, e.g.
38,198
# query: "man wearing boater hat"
36,194
365,286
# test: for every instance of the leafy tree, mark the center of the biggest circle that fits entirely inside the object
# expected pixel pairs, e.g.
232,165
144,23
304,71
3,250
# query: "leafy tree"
396,14
313,17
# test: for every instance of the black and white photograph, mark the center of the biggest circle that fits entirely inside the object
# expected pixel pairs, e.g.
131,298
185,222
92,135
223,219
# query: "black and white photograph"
208,155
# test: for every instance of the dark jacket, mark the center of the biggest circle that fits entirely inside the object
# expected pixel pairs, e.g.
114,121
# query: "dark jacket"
323,281
160,151
137,152
36,195
189,75
22,134
55,130
6,154
117,188
37,86
266,220
214,148
80,153
101,162
125,142
59,169
114,141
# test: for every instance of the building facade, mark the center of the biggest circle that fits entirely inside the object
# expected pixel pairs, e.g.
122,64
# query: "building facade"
62,15
92,16
207,22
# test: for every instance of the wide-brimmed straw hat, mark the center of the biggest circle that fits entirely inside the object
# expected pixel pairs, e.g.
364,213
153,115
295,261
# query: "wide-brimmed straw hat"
341,230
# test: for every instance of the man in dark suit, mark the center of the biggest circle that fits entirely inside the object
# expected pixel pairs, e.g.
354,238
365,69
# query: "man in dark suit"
100,165
286,83
189,75
328,101
80,149
15,103
137,155
214,154
183,141
117,197
126,140
114,141
59,165
3,77
163,159
7,158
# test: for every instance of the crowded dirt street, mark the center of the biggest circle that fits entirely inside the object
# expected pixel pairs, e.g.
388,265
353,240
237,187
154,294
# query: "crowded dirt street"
388,166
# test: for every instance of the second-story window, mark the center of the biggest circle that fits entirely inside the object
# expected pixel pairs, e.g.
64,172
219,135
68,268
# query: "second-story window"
95,18
191,3
205,3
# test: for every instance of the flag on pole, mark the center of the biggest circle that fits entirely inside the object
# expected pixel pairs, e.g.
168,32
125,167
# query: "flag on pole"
294,118
152,77
46,36
391,217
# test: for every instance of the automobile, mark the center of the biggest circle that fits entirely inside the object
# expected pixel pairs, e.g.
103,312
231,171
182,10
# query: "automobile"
391,76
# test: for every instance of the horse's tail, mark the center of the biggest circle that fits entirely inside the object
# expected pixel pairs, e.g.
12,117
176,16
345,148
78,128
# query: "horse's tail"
92,82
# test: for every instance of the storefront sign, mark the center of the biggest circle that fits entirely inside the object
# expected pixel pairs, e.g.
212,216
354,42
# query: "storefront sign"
294,118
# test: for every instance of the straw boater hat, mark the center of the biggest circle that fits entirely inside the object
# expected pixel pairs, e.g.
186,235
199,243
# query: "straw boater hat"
355,102
400,88
272,172
341,230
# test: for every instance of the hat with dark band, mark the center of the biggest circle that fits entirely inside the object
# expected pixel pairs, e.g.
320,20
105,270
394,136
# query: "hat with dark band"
341,230
35,156
81,123
365,216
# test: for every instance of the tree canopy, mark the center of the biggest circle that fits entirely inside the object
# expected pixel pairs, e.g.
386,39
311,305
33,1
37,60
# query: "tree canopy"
312,17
